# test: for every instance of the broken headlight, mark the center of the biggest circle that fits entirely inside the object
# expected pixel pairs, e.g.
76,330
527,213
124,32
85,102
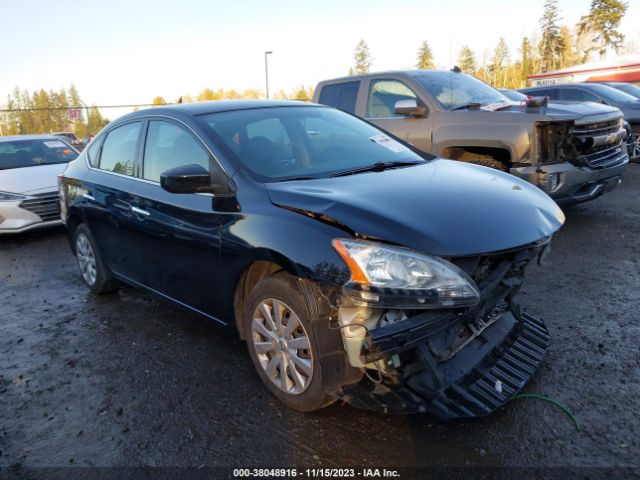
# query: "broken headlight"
388,276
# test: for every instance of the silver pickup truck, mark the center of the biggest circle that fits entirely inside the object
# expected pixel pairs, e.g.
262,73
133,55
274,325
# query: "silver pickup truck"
573,151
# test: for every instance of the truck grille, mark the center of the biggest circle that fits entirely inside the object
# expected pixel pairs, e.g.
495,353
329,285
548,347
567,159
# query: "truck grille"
46,206
600,156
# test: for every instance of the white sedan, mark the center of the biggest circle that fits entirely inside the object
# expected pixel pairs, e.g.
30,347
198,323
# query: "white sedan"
29,169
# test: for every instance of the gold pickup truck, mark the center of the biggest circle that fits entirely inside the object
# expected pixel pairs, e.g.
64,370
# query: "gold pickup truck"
574,152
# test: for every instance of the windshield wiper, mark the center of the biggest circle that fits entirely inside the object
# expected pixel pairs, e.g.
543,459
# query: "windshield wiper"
291,179
470,105
377,167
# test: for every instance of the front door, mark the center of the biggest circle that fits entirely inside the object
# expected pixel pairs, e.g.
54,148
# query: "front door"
383,95
177,235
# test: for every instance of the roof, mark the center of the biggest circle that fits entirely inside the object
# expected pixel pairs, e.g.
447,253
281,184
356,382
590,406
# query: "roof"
214,106
45,136
410,73
618,63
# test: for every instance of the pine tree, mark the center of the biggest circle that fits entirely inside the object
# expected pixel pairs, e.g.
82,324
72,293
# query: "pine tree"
499,62
425,57
362,58
566,47
467,60
602,23
525,62
549,44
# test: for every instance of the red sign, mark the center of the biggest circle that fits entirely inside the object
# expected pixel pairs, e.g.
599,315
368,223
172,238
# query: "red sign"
74,114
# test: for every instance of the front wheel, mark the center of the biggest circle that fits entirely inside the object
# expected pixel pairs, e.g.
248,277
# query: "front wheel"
280,337
95,275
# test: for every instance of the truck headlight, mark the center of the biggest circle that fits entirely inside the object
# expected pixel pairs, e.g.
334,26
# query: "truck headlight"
11,197
394,276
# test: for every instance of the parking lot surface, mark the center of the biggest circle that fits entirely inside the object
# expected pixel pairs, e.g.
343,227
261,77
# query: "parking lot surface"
126,379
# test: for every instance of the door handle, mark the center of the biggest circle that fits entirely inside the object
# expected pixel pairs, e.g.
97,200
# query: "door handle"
140,211
88,196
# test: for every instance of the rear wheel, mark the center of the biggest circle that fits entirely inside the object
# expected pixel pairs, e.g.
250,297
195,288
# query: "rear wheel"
94,273
280,338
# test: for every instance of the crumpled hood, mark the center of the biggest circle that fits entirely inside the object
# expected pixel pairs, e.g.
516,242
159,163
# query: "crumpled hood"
30,179
443,207
559,110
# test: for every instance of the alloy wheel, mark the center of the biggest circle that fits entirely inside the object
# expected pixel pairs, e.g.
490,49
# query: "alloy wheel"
282,346
86,259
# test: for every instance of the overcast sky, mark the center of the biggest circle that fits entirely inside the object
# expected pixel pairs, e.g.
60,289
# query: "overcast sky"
128,51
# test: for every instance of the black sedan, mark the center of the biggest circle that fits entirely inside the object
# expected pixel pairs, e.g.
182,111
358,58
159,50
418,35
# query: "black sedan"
354,266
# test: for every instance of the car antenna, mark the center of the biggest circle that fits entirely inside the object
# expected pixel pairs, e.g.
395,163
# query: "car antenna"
456,69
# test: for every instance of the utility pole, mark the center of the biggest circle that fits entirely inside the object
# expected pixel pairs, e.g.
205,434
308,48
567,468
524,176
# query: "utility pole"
266,71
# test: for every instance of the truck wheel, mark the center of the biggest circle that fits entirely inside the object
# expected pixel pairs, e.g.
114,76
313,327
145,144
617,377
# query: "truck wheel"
484,160
93,271
280,337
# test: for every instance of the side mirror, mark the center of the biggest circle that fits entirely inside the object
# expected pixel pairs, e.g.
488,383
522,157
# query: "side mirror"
186,179
410,108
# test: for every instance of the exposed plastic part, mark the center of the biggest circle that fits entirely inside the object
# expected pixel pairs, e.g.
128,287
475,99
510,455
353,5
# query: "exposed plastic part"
473,384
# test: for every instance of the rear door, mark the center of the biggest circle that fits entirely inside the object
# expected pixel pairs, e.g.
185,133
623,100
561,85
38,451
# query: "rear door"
176,236
341,95
382,95
106,201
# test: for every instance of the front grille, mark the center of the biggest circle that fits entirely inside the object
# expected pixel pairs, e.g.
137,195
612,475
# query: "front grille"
46,206
599,156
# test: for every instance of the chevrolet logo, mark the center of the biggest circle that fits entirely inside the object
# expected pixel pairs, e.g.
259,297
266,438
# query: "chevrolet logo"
612,138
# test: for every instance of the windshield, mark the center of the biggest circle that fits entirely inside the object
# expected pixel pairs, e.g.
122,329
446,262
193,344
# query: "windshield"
454,90
31,153
628,88
303,142
611,94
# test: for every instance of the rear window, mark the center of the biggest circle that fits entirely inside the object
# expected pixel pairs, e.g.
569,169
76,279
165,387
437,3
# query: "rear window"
340,95
31,153
119,149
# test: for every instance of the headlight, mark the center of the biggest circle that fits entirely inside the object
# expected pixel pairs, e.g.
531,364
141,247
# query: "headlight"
399,277
10,197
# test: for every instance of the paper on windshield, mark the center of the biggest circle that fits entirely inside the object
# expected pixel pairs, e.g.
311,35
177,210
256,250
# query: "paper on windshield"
492,107
55,144
388,143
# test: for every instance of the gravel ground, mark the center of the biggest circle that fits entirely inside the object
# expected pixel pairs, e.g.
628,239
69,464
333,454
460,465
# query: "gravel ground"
125,379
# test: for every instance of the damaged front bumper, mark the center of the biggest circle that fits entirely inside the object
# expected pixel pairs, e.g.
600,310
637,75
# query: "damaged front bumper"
496,365
451,363
568,184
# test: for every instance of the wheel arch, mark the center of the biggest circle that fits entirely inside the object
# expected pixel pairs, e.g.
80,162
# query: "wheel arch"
264,264
73,219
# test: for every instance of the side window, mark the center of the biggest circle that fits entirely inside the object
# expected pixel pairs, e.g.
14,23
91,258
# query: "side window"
169,145
93,150
589,97
547,92
383,96
340,95
571,95
577,95
119,149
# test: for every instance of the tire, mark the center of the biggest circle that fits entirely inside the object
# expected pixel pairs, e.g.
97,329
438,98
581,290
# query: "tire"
301,386
483,160
92,269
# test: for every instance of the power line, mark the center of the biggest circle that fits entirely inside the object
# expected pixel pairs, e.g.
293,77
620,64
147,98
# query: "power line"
40,109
